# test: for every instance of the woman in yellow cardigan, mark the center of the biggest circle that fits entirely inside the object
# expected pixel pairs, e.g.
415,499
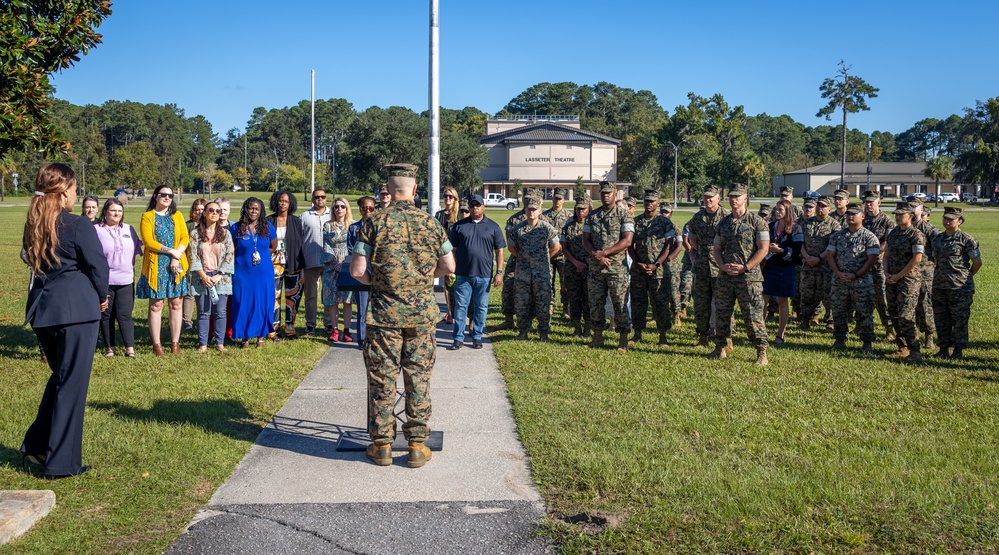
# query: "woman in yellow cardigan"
164,240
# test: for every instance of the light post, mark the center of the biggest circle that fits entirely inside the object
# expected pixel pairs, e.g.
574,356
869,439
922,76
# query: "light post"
993,194
676,167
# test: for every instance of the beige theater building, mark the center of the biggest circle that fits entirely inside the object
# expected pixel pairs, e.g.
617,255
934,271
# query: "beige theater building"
892,179
546,152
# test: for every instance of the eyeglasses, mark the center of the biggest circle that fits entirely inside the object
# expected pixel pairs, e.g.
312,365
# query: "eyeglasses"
339,207
367,209
464,211
166,195
449,196
213,210
317,197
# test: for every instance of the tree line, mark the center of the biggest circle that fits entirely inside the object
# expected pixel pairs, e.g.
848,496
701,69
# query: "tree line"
129,144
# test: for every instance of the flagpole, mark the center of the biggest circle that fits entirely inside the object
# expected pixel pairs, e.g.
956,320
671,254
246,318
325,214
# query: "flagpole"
434,162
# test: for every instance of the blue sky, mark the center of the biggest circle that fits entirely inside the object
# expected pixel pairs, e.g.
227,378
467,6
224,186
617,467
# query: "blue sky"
221,59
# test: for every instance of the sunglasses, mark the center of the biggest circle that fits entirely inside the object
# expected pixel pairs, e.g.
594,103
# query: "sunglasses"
166,195
213,210
339,207
450,196
367,209
318,197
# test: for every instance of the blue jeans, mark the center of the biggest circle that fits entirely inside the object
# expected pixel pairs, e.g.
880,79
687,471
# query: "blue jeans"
473,290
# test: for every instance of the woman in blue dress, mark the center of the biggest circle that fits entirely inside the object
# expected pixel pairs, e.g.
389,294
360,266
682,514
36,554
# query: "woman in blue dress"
164,265
253,281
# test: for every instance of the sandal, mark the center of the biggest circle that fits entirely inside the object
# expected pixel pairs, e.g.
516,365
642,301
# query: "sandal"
109,353
260,343
130,352
245,345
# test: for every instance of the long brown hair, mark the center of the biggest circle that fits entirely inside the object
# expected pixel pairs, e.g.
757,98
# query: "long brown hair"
40,240
202,229
787,221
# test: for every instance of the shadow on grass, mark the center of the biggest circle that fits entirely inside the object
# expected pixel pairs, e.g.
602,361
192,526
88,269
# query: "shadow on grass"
17,342
222,416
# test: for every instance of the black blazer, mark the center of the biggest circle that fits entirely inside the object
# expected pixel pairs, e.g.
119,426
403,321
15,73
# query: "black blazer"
295,258
72,291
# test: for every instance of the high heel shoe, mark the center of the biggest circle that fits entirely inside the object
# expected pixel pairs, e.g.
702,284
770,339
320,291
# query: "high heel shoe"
37,460
83,469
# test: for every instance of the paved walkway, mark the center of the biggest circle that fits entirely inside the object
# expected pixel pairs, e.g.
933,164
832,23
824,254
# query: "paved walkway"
294,492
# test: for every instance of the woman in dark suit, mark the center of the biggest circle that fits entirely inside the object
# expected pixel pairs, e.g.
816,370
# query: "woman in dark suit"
69,290
288,259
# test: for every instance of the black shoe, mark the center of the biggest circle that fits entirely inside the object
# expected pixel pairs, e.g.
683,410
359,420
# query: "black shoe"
37,460
58,476
522,336
456,345
476,343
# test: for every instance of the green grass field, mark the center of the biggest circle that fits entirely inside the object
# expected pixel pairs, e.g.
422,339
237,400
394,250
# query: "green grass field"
654,451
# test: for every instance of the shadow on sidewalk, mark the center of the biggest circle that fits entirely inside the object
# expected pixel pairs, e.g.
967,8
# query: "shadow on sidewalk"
308,437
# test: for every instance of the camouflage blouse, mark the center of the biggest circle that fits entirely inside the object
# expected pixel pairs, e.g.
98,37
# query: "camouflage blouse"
557,218
879,225
817,234
605,228
651,236
402,244
851,248
737,238
532,243
902,245
952,256
572,239
929,231
703,227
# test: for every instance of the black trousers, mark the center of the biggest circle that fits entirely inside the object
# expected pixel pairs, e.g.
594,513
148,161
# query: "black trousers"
120,304
57,431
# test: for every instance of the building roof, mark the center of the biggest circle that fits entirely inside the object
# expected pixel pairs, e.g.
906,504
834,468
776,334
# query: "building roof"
547,132
899,169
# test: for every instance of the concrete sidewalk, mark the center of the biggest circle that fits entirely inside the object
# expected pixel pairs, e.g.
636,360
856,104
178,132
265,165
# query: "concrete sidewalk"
294,492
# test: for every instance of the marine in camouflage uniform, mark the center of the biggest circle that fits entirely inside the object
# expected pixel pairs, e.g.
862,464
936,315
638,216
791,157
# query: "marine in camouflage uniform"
787,193
924,306
651,278
703,227
508,305
606,228
840,199
576,274
880,224
534,241
851,254
686,273
676,260
557,217
807,211
958,259
816,277
904,250
403,246
740,245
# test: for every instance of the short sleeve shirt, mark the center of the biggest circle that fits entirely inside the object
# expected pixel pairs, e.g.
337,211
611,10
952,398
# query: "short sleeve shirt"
651,236
929,231
532,243
402,244
475,245
852,247
879,225
703,227
902,245
737,238
605,228
952,256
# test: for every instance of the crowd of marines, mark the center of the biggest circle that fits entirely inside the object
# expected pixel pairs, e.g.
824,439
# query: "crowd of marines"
856,259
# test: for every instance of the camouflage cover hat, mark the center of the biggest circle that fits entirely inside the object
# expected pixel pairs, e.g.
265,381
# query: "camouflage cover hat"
953,213
665,208
785,189
764,210
711,191
607,187
903,208
401,170
926,210
584,202
737,190
382,189
915,201
532,202
854,208
870,196
559,194
651,194
630,201
809,202
841,193
463,206
824,201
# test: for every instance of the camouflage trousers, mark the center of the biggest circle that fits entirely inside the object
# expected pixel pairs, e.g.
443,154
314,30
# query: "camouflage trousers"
659,291
508,306
924,307
599,286
952,310
686,282
749,294
675,268
386,352
577,293
533,297
558,271
880,300
902,299
815,287
703,293
855,297
796,297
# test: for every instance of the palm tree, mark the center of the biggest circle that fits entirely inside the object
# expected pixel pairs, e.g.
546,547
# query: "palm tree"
850,95
936,169
751,167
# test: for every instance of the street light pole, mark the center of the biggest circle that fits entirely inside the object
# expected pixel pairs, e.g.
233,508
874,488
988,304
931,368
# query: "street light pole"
676,167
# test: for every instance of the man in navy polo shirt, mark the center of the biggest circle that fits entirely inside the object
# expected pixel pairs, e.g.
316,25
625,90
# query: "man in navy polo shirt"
477,242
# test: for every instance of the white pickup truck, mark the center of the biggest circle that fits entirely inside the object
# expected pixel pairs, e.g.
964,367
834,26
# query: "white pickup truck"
496,200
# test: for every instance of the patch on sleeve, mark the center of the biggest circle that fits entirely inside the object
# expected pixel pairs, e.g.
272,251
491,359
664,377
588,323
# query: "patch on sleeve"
362,249
627,228
586,228
918,249
975,253
874,250
763,236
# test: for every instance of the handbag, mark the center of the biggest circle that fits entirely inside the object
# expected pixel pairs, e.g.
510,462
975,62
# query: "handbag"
346,282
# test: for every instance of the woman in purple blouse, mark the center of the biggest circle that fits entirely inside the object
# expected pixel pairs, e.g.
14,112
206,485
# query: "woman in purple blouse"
121,245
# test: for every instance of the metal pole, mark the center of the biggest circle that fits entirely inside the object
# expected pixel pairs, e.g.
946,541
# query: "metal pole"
868,163
434,163
676,167
313,133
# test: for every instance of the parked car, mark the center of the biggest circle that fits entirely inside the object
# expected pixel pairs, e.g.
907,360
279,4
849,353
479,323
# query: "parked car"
496,200
811,194
930,198
915,196
949,197
968,197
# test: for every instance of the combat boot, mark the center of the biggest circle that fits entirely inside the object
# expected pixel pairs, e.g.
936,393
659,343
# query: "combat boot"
543,336
839,344
761,356
805,324
507,323
677,320
943,353
662,338
719,352
381,455
522,336
902,352
637,338
419,454
728,346
958,353
577,329
866,348
598,339
890,335
702,340
928,343
622,343
915,357
586,330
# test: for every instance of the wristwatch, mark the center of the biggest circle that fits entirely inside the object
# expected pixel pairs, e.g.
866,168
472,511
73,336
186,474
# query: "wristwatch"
499,272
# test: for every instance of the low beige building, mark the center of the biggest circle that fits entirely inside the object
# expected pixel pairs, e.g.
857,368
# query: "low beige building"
892,179
546,152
